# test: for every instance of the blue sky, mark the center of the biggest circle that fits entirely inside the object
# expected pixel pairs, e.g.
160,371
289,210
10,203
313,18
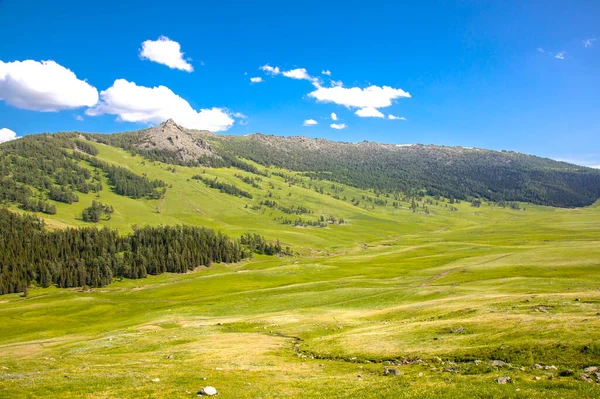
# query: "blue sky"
520,76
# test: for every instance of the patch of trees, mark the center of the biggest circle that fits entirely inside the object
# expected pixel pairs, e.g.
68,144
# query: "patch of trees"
320,222
90,257
96,212
86,147
127,183
38,205
223,187
290,210
23,196
42,165
62,194
253,181
257,244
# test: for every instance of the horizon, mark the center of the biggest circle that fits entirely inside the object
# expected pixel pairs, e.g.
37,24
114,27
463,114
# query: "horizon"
515,77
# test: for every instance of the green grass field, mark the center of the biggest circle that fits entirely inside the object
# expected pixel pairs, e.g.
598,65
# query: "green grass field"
442,294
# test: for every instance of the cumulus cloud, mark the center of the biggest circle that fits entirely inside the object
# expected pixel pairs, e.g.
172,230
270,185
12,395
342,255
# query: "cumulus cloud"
257,79
310,122
369,112
298,73
326,72
372,96
7,135
334,116
396,118
338,126
560,55
337,83
588,42
78,118
133,103
270,70
43,86
166,52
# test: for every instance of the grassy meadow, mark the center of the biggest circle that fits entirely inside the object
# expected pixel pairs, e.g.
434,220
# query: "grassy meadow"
437,296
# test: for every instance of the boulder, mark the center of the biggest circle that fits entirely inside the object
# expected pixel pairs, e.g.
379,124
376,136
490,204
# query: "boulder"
566,373
586,378
591,369
391,371
208,391
503,380
498,363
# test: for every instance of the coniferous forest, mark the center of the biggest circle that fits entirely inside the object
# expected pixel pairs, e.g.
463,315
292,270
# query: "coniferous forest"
80,257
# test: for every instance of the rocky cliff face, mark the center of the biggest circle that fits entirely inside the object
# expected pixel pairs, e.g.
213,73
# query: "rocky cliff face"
188,144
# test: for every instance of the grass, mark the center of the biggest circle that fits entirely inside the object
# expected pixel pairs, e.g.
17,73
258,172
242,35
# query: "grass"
446,288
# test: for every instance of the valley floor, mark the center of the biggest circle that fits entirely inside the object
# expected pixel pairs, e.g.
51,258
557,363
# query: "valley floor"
446,303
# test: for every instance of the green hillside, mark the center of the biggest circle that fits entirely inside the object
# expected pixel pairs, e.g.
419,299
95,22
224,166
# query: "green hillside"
443,288
452,172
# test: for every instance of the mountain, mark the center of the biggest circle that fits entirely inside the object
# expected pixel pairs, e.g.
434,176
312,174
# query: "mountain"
451,172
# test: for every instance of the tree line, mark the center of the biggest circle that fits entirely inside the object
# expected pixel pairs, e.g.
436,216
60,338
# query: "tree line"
225,188
91,257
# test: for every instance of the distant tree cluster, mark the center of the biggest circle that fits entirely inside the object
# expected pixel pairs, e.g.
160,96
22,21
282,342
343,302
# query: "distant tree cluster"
86,147
290,210
36,168
257,244
253,181
127,183
91,257
223,187
96,212
23,196
320,222
62,194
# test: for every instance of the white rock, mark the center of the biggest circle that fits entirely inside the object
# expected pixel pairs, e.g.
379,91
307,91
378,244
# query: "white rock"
156,380
208,391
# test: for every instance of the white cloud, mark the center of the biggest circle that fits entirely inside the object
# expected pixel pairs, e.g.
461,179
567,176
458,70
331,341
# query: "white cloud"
239,115
270,70
369,112
334,116
338,126
165,51
396,118
588,42
541,50
78,118
257,79
43,86
595,166
133,103
337,83
7,135
326,72
298,73
560,55
372,96
310,122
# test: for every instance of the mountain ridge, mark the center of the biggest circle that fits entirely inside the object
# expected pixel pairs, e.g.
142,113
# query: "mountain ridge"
416,170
